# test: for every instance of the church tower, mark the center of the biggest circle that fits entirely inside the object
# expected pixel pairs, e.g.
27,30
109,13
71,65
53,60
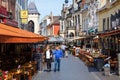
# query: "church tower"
33,18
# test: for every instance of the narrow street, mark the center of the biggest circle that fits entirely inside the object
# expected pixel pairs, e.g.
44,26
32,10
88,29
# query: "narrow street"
71,69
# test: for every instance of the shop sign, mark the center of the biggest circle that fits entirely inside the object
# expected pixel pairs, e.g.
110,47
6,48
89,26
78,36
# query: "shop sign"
24,21
24,14
3,11
10,22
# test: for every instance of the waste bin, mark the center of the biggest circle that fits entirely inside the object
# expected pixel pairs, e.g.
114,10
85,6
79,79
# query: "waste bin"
106,71
99,63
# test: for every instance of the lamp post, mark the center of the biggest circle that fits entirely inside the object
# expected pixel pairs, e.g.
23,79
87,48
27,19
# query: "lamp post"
66,2
65,19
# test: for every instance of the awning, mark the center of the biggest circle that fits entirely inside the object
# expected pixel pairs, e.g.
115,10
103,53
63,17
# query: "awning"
91,30
75,38
60,39
78,38
9,34
110,33
55,39
52,39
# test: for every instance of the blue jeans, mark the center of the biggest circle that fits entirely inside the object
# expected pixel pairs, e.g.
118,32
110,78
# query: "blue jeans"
57,64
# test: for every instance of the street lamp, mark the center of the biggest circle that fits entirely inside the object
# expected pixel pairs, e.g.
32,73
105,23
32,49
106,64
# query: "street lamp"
66,2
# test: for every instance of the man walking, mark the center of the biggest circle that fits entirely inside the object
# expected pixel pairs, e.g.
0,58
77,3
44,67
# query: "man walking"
58,54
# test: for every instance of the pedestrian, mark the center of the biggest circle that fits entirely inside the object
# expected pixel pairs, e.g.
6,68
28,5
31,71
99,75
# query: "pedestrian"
38,59
48,57
58,54
66,52
63,47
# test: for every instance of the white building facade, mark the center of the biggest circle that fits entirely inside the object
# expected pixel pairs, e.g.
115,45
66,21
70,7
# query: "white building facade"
43,25
33,18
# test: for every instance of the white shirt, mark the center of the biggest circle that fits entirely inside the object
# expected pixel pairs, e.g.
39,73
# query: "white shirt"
48,54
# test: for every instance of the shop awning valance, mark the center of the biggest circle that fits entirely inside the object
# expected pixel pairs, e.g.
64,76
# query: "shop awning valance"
75,38
9,34
55,39
110,33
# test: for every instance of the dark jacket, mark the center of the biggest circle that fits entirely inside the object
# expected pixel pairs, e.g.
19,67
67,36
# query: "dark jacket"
37,56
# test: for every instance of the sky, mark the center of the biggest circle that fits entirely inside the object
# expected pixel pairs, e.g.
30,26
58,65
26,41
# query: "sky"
45,7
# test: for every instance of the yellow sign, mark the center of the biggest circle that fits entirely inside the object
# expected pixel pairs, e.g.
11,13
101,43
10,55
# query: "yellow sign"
24,20
24,14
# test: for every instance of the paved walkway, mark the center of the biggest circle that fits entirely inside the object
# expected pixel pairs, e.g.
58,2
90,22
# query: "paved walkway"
71,69
110,77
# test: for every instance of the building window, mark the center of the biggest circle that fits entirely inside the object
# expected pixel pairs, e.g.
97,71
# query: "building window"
62,27
104,22
117,19
79,19
119,16
108,23
70,24
73,21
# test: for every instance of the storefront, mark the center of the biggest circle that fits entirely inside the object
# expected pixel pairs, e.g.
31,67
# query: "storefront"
110,45
88,42
16,49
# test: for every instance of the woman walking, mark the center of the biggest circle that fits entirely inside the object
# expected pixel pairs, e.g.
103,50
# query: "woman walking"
48,56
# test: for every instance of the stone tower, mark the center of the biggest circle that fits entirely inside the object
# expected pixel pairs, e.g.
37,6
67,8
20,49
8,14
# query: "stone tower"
33,18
